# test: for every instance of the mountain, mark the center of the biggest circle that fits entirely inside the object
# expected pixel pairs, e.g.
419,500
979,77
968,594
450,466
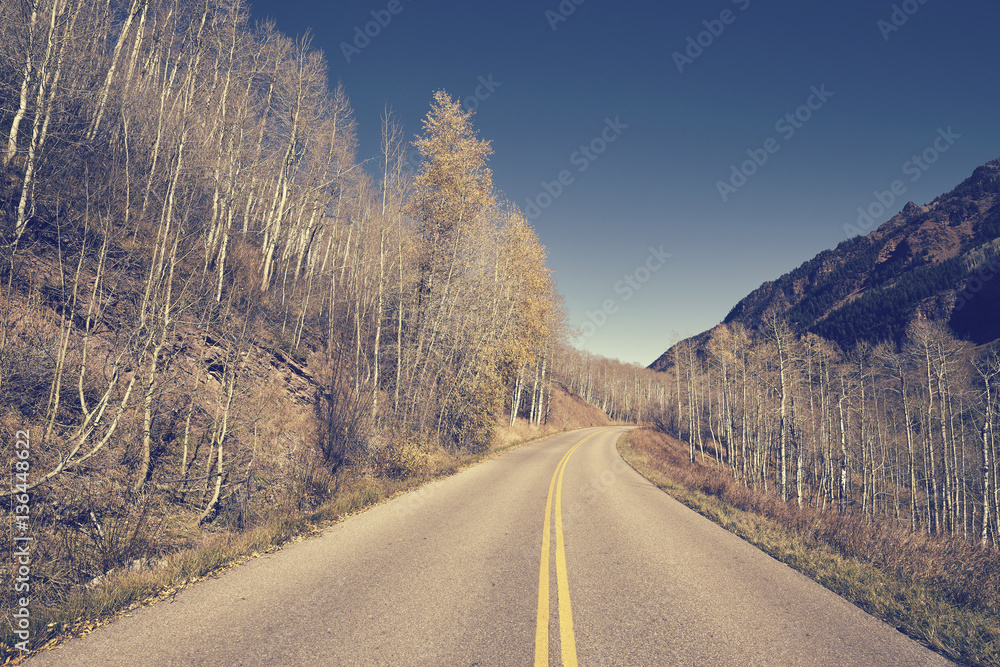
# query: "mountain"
939,260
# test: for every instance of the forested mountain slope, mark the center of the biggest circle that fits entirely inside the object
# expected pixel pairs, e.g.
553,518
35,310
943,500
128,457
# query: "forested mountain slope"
938,259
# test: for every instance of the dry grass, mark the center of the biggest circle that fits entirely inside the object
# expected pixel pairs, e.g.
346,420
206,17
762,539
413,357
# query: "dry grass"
569,411
943,593
85,608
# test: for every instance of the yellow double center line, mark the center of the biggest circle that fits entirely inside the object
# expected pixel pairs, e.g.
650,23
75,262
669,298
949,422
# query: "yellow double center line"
567,640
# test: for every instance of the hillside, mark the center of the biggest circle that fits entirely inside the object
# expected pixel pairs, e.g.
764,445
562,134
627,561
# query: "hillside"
938,259
213,317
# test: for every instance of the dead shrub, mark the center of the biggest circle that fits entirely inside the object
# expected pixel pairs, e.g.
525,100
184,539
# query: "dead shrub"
106,529
344,417
310,482
400,460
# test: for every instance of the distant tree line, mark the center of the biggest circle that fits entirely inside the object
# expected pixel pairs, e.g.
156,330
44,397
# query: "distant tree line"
625,392
902,431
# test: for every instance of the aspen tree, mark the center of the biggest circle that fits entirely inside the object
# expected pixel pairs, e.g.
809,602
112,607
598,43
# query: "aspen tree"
234,361
298,104
28,14
452,188
722,348
988,368
49,71
783,340
392,183
123,37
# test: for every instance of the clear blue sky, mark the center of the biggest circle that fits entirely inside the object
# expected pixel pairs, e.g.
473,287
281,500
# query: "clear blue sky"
879,94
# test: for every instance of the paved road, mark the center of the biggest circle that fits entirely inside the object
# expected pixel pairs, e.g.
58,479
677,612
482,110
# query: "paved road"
453,574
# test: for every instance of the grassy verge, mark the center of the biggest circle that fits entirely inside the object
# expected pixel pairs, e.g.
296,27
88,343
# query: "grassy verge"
917,591
114,595
88,608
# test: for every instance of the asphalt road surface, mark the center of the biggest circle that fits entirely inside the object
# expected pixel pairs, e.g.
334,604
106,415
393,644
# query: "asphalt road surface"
554,553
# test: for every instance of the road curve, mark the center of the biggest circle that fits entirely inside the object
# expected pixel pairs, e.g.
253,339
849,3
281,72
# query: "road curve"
453,574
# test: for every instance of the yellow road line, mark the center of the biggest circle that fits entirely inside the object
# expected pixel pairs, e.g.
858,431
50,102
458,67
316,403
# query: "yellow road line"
567,639
542,619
